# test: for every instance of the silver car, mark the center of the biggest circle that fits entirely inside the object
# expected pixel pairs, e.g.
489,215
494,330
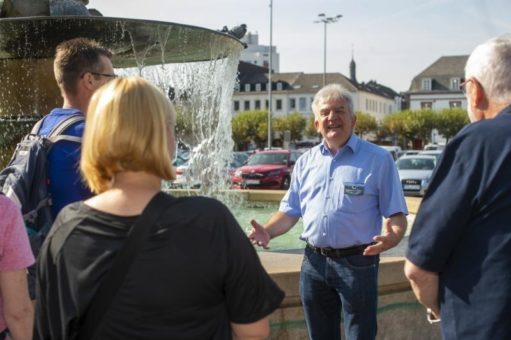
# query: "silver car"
415,173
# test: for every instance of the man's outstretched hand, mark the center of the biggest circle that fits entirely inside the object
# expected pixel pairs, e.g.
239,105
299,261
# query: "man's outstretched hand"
258,235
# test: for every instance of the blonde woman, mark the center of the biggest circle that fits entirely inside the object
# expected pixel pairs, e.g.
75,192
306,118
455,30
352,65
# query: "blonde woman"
196,275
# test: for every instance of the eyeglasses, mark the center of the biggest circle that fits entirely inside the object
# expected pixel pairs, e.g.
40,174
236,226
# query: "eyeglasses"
104,74
464,84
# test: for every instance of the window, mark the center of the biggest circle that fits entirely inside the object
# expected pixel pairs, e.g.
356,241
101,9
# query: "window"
236,105
302,103
278,104
367,104
247,87
455,84
246,105
257,104
454,104
258,87
279,86
292,103
426,84
266,104
426,105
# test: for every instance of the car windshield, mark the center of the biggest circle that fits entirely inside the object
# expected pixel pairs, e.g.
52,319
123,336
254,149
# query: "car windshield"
268,158
416,164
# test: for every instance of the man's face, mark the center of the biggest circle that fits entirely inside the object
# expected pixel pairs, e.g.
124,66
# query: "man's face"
334,122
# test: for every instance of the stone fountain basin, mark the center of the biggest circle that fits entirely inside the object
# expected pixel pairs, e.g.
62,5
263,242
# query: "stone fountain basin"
134,42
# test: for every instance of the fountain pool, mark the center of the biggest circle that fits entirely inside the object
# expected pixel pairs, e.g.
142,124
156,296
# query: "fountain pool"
290,242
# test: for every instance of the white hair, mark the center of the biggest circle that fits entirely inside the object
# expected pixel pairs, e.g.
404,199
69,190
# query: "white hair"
490,64
332,91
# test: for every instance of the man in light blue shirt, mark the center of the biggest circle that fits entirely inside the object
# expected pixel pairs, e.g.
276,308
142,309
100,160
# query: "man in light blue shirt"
341,188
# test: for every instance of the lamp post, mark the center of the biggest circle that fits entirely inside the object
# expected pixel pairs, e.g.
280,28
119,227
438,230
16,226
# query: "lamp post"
270,66
326,20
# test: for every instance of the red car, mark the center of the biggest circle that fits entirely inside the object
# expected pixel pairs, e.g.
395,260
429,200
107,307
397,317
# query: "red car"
269,169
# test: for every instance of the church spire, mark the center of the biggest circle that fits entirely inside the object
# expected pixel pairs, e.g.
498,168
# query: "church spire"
353,67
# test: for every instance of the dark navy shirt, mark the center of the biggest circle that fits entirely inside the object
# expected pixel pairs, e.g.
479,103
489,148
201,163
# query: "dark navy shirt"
65,183
463,231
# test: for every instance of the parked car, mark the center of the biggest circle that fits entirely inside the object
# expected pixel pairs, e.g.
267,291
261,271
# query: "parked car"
239,158
393,149
415,173
269,169
436,153
434,146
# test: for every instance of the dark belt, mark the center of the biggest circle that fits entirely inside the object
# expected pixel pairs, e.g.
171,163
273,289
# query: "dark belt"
331,252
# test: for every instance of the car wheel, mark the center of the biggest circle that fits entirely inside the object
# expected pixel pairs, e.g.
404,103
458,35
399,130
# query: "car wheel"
285,183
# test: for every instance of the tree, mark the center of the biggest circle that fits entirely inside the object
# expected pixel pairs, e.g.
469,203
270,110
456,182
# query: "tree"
249,126
294,123
414,125
366,123
450,121
310,129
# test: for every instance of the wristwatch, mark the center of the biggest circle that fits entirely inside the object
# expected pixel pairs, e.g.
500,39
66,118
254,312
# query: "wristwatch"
431,317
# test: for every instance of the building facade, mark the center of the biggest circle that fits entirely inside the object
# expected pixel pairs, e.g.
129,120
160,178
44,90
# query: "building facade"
438,86
294,92
259,54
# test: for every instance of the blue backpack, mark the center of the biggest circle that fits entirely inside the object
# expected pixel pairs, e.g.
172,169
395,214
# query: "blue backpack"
25,180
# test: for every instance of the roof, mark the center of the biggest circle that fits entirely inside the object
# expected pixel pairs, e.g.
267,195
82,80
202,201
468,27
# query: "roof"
440,73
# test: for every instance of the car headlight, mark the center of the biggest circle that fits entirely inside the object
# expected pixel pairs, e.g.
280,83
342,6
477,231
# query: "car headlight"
425,181
237,173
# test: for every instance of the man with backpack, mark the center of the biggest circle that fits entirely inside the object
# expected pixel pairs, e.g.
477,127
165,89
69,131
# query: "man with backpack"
43,176
81,66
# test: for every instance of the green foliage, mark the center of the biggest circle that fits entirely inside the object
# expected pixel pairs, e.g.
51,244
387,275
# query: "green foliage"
450,121
294,122
310,129
366,123
249,126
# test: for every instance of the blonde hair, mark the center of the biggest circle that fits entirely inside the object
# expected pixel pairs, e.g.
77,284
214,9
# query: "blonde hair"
126,130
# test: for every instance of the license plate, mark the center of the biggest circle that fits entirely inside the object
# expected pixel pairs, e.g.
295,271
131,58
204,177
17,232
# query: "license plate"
251,181
411,187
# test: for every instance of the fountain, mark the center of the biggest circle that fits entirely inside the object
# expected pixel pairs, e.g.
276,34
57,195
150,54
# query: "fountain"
196,66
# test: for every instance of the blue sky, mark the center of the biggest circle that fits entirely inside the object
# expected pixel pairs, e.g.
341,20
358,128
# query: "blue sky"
392,40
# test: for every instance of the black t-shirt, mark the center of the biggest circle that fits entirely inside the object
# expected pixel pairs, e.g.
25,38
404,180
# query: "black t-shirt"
196,273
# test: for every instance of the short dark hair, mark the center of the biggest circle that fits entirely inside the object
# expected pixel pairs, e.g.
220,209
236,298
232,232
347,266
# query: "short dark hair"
73,58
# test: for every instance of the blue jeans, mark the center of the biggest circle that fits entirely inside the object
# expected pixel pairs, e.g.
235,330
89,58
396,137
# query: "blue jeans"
329,285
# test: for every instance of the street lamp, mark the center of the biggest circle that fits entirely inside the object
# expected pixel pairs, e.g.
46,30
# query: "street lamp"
270,66
326,20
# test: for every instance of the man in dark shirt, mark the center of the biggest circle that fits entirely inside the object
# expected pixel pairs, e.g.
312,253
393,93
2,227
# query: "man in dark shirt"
459,252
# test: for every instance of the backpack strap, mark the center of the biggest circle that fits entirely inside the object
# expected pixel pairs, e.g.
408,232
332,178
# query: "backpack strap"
101,302
37,127
56,134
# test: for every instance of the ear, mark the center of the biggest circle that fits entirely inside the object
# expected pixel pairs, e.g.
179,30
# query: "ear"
316,124
87,81
477,100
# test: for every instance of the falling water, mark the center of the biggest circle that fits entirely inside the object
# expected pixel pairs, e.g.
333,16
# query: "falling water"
196,65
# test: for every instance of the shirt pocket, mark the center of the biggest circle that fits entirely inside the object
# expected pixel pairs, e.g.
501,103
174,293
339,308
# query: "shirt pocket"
353,197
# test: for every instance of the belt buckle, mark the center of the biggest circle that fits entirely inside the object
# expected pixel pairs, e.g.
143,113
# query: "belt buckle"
323,251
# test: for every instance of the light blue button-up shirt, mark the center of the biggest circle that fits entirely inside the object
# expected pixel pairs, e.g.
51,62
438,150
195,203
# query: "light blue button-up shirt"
343,197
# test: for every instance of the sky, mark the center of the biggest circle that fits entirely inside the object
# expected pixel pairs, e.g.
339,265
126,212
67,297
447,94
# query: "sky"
391,40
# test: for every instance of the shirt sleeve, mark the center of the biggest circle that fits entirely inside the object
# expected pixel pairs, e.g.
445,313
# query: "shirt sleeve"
391,197
250,292
445,209
15,251
290,203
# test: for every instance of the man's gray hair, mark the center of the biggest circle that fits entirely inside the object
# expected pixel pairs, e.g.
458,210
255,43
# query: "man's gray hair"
490,64
332,91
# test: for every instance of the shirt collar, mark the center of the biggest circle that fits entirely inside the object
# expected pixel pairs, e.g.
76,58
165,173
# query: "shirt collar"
353,144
